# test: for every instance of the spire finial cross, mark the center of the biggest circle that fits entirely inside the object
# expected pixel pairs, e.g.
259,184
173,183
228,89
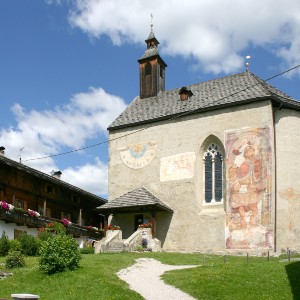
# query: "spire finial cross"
151,23
247,63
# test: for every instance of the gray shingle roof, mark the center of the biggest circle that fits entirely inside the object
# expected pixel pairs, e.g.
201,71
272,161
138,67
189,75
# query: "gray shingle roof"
227,91
151,36
137,198
150,53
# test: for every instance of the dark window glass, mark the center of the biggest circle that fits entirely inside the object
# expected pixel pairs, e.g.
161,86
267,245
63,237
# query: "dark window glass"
213,174
218,177
208,178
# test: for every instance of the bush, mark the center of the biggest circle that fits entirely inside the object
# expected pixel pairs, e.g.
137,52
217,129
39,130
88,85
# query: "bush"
139,248
44,235
15,259
59,254
30,244
87,250
15,245
55,228
4,244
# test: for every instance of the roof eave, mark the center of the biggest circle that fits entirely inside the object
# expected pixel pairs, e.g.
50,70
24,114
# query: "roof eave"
144,59
182,114
9,162
137,207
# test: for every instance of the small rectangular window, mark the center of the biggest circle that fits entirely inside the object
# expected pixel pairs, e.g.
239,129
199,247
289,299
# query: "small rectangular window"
75,199
21,204
49,189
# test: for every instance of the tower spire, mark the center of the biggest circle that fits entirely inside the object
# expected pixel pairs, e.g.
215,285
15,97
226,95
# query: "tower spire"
152,68
151,23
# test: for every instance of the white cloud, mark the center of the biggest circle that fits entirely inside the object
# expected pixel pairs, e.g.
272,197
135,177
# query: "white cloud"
213,32
90,177
70,126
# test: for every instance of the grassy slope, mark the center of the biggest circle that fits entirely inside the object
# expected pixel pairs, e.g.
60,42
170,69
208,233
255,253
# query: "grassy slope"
96,279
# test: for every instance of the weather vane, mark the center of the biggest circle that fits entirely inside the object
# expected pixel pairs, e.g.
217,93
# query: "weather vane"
247,62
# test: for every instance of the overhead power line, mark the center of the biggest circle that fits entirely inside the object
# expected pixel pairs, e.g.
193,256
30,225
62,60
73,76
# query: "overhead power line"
171,118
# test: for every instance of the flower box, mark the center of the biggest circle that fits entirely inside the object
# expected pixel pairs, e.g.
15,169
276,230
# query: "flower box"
145,225
66,222
6,206
113,227
33,213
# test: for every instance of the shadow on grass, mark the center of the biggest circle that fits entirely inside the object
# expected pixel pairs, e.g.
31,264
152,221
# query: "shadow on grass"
293,273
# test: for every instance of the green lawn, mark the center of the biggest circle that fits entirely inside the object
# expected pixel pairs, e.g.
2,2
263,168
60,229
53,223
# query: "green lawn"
213,279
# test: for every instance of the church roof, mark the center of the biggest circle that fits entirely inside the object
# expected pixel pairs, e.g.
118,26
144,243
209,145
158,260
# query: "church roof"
214,94
137,198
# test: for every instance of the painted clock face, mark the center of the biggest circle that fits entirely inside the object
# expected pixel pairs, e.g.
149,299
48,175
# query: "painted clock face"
139,155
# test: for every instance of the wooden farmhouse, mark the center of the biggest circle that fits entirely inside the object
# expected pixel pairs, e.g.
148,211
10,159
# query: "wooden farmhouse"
30,199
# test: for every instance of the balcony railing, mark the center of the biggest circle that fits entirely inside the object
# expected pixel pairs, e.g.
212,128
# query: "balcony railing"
23,218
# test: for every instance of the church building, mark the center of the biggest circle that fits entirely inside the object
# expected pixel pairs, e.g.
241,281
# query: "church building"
212,166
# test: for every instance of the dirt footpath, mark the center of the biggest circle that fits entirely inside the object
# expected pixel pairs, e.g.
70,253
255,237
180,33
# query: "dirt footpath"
144,278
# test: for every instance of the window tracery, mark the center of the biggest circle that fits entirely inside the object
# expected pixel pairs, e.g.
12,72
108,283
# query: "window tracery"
213,174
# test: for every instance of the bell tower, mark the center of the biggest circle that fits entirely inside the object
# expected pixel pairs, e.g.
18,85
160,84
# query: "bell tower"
152,69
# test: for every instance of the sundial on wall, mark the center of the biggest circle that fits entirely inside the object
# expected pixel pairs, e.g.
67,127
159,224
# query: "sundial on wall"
137,156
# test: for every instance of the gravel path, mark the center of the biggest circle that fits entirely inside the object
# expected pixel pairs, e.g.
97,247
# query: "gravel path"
144,278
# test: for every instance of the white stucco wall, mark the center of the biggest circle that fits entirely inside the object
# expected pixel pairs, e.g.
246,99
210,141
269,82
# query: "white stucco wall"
287,124
10,227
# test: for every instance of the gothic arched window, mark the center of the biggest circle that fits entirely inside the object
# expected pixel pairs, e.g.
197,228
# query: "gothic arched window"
213,174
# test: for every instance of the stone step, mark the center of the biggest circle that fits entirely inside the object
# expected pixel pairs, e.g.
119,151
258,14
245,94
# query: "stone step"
113,250
117,243
116,248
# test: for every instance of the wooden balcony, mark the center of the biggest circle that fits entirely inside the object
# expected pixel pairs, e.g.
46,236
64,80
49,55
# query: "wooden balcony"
22,218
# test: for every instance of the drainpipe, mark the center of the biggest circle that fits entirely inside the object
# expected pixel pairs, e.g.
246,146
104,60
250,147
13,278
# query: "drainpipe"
275,179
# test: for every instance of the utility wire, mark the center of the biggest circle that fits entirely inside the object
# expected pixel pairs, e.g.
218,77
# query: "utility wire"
171,118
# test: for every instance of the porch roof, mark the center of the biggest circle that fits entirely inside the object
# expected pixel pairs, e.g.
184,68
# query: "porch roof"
138,199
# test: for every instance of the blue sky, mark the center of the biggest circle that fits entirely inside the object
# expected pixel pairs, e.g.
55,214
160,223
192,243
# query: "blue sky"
68,68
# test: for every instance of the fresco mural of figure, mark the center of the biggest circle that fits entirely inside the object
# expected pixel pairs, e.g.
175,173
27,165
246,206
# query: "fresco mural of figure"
248,189
244,178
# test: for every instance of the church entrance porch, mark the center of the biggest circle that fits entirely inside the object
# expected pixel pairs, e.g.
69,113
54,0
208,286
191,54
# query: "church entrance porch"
138,208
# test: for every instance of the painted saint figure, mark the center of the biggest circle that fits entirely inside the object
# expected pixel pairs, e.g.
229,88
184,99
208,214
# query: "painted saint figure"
249,178
245,187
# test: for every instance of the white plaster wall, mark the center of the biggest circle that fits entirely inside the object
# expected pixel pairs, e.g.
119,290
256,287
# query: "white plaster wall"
287,124
192,227
9,229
